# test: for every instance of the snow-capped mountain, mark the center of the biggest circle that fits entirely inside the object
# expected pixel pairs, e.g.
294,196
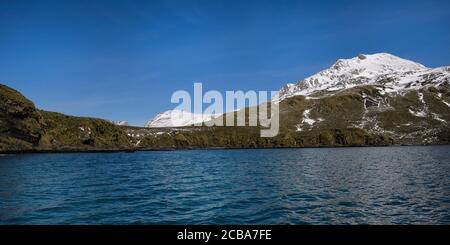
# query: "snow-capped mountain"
390,75
394,73
177,118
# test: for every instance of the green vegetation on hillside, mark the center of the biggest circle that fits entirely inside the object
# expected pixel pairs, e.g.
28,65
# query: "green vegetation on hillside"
25,128
360,116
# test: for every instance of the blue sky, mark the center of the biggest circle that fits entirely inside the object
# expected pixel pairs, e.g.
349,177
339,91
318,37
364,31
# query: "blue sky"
121,60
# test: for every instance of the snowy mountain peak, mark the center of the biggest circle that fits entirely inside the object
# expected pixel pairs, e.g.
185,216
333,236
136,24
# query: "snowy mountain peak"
359,70
375,64
177,118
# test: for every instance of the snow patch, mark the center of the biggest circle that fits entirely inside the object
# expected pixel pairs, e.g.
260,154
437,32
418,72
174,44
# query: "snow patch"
120,123
418,113
178,118
448,104
307,120
421,98
438,118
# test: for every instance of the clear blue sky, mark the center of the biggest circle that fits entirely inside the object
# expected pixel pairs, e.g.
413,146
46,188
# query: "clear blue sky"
122,60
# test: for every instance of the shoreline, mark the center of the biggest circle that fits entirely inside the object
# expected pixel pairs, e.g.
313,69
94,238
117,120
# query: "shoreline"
48,151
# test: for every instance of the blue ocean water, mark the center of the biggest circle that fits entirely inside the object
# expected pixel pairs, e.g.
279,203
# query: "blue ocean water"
373,185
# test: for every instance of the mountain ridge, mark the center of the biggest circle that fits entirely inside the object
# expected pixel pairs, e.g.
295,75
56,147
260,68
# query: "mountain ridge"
370,111
395,74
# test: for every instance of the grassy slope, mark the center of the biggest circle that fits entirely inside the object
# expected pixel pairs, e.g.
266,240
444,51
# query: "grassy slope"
23,127
340,120
67,132
20,122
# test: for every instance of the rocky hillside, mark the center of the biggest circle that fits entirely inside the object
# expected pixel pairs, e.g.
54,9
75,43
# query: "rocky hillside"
366,100
379,93
359,116
20,122
23,127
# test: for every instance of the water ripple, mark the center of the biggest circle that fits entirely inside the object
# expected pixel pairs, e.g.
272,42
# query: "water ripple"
380,185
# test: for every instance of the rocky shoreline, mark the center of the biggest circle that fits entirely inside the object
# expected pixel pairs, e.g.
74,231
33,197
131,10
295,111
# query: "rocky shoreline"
58,151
